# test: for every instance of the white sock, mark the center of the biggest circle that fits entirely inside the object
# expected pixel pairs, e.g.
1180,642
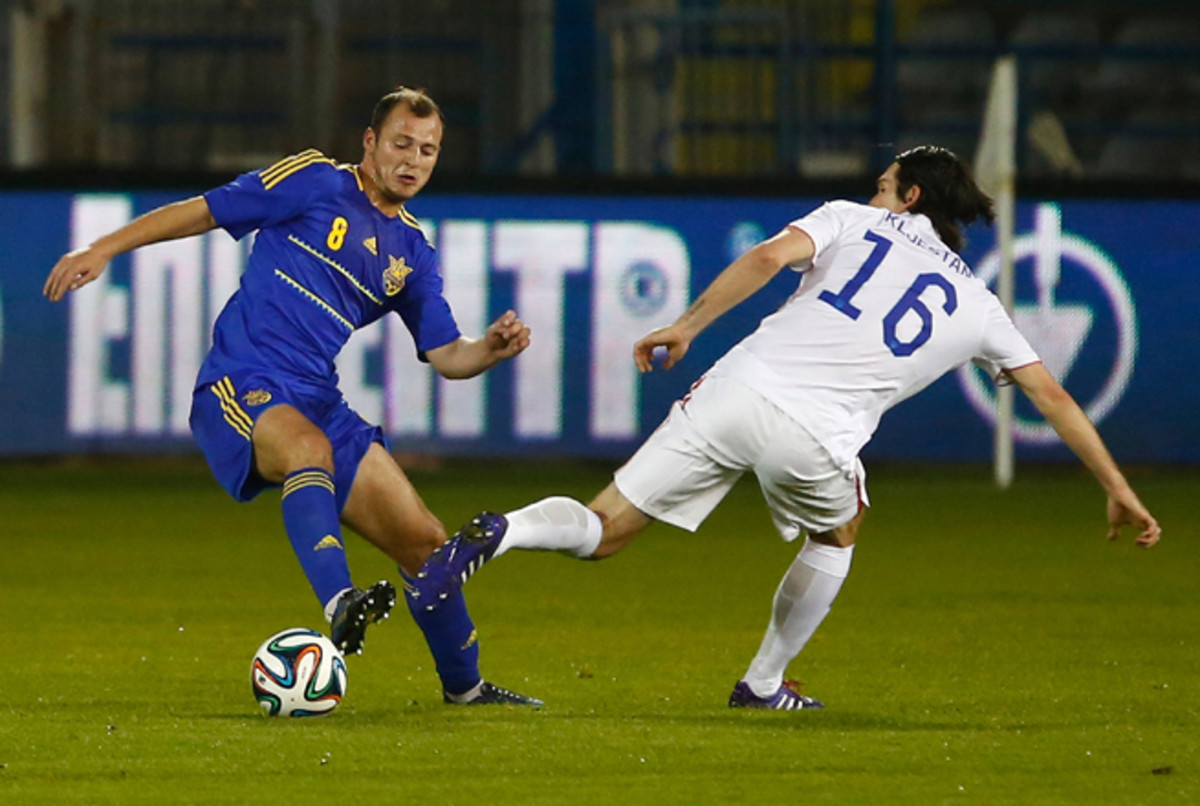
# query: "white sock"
331,605
802,600
553,524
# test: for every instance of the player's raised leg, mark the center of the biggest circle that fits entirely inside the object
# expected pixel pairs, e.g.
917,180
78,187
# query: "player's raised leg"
552,524
385,508
250,447
558,523
291,450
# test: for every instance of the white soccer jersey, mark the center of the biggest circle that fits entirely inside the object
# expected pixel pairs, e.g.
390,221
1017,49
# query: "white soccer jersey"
884,308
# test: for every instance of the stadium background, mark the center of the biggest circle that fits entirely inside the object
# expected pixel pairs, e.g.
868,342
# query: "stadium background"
657,138
989,647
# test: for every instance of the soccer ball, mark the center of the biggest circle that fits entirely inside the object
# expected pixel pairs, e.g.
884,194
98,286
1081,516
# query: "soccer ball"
298,672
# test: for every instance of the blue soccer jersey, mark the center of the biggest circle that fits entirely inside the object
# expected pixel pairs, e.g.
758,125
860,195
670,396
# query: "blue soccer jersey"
325,262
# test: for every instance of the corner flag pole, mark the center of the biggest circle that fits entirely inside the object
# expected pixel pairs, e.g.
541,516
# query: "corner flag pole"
995,171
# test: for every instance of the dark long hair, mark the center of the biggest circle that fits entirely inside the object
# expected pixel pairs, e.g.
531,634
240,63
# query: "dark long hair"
949,195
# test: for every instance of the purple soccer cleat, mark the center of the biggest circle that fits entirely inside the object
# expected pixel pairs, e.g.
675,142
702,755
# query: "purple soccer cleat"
456,560
787,698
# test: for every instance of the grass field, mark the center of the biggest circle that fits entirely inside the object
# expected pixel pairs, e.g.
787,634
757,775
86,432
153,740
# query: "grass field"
987,648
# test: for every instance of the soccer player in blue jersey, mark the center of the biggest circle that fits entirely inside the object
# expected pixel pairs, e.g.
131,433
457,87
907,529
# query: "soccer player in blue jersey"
335,251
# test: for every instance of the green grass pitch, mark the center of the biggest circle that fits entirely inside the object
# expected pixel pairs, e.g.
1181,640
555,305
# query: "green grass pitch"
987,648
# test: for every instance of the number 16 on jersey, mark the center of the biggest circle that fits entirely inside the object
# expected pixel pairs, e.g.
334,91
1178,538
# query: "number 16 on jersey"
909,301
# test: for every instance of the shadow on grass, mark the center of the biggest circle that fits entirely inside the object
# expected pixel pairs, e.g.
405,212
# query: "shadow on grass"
431,714
825,720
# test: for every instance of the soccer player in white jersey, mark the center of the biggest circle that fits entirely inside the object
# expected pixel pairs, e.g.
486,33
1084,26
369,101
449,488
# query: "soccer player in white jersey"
884,307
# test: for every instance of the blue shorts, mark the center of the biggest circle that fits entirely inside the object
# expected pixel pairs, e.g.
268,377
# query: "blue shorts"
224,414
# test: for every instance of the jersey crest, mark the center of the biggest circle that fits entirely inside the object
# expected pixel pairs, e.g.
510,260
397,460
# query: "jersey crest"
395,275
257,397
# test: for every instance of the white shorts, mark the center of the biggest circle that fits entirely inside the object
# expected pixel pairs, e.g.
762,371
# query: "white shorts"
721,429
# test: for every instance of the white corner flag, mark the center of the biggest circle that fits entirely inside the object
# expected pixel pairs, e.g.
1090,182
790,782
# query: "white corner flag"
995,171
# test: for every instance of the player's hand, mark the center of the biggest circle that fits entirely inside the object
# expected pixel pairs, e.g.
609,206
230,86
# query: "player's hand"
667,345
507,336
1128,511
73,271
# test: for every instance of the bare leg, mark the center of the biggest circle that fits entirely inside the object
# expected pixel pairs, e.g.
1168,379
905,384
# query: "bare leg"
385,508
622,521
286,441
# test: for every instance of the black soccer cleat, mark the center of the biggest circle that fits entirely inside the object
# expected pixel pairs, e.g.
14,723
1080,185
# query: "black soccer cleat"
355,611
456,560
489,694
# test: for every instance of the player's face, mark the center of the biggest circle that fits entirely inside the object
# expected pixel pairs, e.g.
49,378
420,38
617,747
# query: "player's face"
401,156
885,191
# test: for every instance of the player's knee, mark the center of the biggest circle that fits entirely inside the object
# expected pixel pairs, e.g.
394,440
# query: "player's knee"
621,519
309,449
618,533
843,536
286,441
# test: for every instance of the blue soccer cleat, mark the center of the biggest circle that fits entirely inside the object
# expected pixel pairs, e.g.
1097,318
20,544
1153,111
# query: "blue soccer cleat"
787,698
456,560
490,694
355,611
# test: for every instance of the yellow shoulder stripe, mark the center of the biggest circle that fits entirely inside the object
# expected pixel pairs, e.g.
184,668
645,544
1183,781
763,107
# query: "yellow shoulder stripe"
410,219
353,169
287,161
285,168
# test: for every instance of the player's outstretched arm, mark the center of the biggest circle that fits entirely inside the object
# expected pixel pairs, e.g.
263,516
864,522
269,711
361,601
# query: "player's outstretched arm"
505,338
738,281
79,267
1064,414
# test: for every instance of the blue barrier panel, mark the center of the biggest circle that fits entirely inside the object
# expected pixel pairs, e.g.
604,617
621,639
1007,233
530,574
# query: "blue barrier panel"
1105,293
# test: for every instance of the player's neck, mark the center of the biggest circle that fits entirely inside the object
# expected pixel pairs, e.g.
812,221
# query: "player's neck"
381,201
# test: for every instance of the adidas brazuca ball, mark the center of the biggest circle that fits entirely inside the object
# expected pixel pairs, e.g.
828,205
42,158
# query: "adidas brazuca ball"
298,672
